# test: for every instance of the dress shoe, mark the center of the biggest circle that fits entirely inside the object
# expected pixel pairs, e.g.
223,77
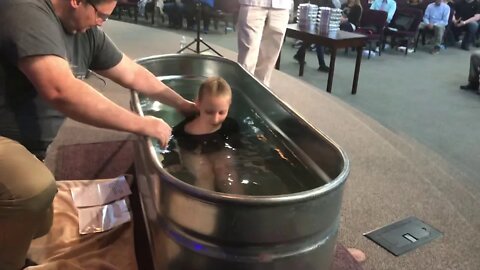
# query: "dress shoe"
469,86
323,69
435,50
296,57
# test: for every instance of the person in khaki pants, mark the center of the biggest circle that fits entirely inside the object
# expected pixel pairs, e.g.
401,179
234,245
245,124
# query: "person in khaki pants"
27,189
261,29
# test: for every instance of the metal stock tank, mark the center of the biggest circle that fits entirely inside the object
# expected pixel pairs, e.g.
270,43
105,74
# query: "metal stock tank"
192,228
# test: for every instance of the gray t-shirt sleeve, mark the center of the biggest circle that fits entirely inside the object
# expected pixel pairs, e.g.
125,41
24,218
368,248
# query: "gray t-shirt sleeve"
105,54
20,39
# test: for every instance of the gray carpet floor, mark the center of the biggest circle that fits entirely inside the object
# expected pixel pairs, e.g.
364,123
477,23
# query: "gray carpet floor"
410,135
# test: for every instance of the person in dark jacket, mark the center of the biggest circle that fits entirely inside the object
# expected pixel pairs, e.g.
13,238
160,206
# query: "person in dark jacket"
352,12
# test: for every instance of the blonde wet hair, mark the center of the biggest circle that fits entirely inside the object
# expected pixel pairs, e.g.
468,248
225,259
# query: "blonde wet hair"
214,87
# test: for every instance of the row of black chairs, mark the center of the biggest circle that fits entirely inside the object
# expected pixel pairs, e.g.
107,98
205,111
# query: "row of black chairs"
225,10
403,28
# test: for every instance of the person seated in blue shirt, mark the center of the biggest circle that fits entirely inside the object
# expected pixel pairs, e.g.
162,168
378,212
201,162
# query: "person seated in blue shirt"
389,6
436,18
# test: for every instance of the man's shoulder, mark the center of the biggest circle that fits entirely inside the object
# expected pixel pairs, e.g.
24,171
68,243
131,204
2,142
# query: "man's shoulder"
25,11
7,5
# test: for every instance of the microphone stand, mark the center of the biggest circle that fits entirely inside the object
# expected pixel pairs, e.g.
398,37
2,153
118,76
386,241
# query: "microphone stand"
198,40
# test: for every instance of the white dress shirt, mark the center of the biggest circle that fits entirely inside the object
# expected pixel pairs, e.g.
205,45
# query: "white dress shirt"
277,4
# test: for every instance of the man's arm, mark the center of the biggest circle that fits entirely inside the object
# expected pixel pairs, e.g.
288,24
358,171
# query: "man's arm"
426,16
474,18
391,11
133,76
52,78
446,15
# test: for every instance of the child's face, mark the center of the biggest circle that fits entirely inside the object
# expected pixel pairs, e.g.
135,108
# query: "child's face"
214,110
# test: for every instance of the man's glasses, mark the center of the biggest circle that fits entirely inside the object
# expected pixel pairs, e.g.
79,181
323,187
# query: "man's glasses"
99,14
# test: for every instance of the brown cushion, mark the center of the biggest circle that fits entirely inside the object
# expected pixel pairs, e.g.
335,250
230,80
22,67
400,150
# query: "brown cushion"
64,248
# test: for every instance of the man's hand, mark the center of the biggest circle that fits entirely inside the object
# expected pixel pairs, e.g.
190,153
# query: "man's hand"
157,128
460,23
430,26
187,108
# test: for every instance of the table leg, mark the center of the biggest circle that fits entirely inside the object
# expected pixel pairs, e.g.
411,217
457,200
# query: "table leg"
302,66
333,56
357,70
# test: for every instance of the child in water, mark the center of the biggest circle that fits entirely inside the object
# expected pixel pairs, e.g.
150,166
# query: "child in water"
207,142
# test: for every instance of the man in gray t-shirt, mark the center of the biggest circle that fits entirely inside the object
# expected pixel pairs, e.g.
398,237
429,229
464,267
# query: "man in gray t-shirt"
46,47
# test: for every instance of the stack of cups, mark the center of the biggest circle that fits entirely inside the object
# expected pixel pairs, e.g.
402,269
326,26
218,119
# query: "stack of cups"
335,17
323,19
306,15
328,20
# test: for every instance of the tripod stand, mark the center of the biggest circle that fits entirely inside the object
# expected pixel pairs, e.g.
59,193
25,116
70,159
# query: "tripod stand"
198,40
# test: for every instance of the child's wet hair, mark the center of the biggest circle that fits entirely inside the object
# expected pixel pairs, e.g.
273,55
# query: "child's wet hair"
214,87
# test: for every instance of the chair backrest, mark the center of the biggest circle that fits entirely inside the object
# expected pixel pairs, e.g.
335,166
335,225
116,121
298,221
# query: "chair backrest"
401,3
375,19
228,6
407,19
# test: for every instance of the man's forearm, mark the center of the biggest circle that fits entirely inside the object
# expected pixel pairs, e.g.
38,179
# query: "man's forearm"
86,105
474,18
145,83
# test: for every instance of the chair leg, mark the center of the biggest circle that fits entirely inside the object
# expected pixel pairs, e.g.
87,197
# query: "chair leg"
416,41
381,46
369,49
154,9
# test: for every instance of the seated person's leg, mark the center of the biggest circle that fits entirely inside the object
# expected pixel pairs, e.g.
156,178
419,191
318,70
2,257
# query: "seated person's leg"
470,30
300,55
421,25
189,12
321,59
179,11
473,75
438,35
226,177
457,32
206,16
474,70
169,9
27,189
201,168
